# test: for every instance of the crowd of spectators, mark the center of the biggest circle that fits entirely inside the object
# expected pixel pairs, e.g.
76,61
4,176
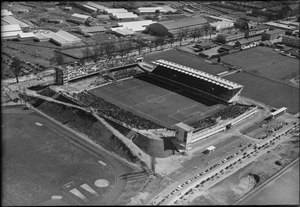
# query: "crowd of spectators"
107,109
88,68
120,74
229,112
99,81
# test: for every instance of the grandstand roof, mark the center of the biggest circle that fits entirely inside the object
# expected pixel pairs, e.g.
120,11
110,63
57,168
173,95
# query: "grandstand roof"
12,20
127,15
92,29
199,74
136,25
97,6
5,12
184,126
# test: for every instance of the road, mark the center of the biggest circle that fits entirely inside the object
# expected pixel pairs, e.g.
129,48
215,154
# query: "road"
172,193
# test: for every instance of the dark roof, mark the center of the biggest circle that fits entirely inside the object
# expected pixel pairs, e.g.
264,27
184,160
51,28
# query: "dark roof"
92,29
226,47
275,31
76,19
183,22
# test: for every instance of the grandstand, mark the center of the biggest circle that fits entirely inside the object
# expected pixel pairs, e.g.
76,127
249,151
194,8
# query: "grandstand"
208,85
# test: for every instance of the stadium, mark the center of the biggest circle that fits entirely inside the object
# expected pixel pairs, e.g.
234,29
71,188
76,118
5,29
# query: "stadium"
174,101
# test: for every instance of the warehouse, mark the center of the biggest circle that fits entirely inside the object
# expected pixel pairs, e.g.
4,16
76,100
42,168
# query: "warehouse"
99,8
63,38
124,16
272,34
173,27
224,38
89,8
149,10
94,29
219,25
26,36
5,12
121,31
76,20
136,26
114,11
12,20
41,36
10,31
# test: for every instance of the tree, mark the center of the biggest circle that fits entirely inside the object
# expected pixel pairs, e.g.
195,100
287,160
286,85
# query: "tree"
58,58
16,67
98,51
87,53
109,48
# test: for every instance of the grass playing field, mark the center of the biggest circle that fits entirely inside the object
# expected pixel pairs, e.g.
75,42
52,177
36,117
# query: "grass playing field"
39,160
268,91
265,61
189,60
152,102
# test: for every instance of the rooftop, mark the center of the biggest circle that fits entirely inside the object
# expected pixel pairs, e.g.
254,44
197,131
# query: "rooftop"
199,74
183,22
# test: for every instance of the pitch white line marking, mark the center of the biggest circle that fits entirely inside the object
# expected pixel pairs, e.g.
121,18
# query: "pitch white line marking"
89,189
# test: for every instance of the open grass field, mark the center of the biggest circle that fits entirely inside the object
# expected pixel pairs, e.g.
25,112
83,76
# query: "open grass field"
166,107
268,91
265,61
189,60
40,161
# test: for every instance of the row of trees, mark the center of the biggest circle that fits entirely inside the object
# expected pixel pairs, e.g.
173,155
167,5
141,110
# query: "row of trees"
122,48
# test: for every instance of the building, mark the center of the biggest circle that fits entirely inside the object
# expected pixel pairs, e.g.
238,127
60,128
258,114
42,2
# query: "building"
257,30
63,38
99,7
78,18
41,36
276,25
278,112
122,31
124,16
225,48
13,20
224,38
174,27
219,25
149,10
10,31
137,26
26,36
168,9
272,34
89,8
113,11
289,40
5,12
92,30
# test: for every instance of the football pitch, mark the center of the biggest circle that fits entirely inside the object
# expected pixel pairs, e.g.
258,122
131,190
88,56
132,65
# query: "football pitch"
161,105
264,61
41,161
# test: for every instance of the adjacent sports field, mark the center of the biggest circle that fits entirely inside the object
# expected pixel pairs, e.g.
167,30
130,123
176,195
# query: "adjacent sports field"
265,61
186,59
40,161
161,105
271,92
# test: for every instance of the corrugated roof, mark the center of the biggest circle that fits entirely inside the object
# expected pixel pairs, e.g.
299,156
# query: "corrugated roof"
76,19
183,22
150,9
68,36
10,28
122,31
80,16
5,12
9,34
136,25
26,34
90,7
121,10
92,29
127,15
12,20
97,6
